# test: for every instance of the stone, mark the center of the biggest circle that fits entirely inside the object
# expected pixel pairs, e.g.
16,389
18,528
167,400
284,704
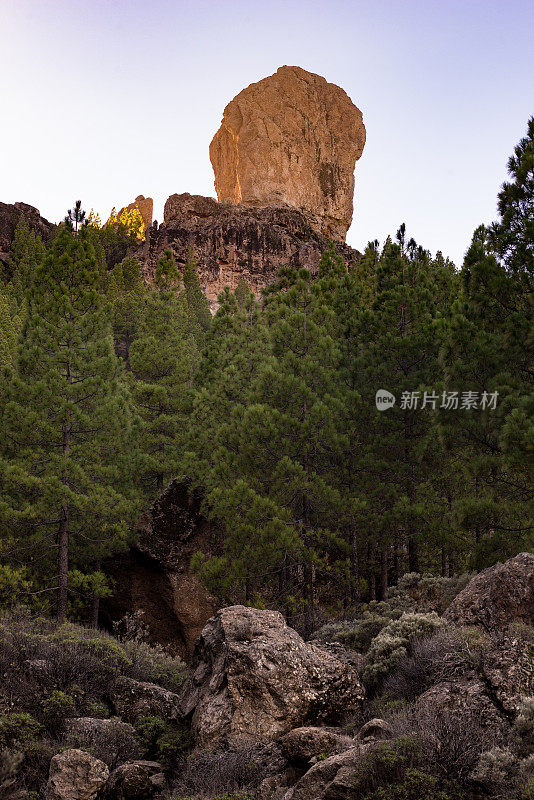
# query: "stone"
464,702
254,678
331,778
291,139
497,596
137,780
375,729
507,668
145,206
9,219
235,242
132,699
75,775
302,746
153,578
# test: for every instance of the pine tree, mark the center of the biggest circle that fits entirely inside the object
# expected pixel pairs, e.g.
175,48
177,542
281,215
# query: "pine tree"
488,349
65,425
76,216
162,359
196,299
27,252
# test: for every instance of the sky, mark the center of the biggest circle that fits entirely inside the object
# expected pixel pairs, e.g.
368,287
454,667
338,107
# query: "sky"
103,100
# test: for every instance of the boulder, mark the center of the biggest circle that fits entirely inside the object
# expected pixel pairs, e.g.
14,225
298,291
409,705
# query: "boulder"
75,775
133,699
497,596
153,579
291,139
375,729
507,670
254,678
302,746
329,779
236,242
461,704
137,780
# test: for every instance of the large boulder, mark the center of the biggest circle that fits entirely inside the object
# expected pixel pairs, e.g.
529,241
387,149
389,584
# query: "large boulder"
291,139
254,678
507,668
132,699
497,596
153,579
75,775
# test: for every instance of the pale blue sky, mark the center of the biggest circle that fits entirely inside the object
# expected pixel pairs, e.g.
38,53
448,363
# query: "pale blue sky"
108,99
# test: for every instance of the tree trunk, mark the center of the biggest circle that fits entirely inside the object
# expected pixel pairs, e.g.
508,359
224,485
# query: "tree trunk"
354,568
397,559
384,574
63,565
413,554
372,575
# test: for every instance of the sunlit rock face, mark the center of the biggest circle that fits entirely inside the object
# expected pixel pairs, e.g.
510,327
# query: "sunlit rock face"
145,206
291,139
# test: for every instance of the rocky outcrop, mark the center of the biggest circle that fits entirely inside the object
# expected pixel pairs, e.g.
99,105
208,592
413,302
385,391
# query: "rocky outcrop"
145,206
291,139
133,699
254,678
375,729
75,775
234,242
153,578
9,219
497,596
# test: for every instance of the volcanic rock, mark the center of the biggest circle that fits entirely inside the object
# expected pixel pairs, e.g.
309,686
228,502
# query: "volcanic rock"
153,580
254,678
234,242
497,596
9,219
145,206
291,139
75,775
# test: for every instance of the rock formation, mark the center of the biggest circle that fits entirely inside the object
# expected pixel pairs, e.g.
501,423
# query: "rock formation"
254,678
75,775
498,595
145,206
9,219
231,242
153,577
291,139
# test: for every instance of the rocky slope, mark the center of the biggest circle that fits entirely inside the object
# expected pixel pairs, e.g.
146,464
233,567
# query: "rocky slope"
9,219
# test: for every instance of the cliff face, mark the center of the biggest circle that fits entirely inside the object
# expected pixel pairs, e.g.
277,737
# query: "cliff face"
291,139
9,219
231,242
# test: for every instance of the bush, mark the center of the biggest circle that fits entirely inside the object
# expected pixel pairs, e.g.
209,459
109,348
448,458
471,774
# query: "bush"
57,707
524,727
449,654
149,662
162,740
424,593
113,742
391,645
221,774
358,634
496,771
18,729
415,785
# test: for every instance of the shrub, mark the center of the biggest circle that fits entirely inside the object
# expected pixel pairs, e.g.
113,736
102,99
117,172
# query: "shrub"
358,634
450,653
524,727
57,707
149,662
425,592
415,785
162,740
18,729
113,742
220,773
391,645
496,771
